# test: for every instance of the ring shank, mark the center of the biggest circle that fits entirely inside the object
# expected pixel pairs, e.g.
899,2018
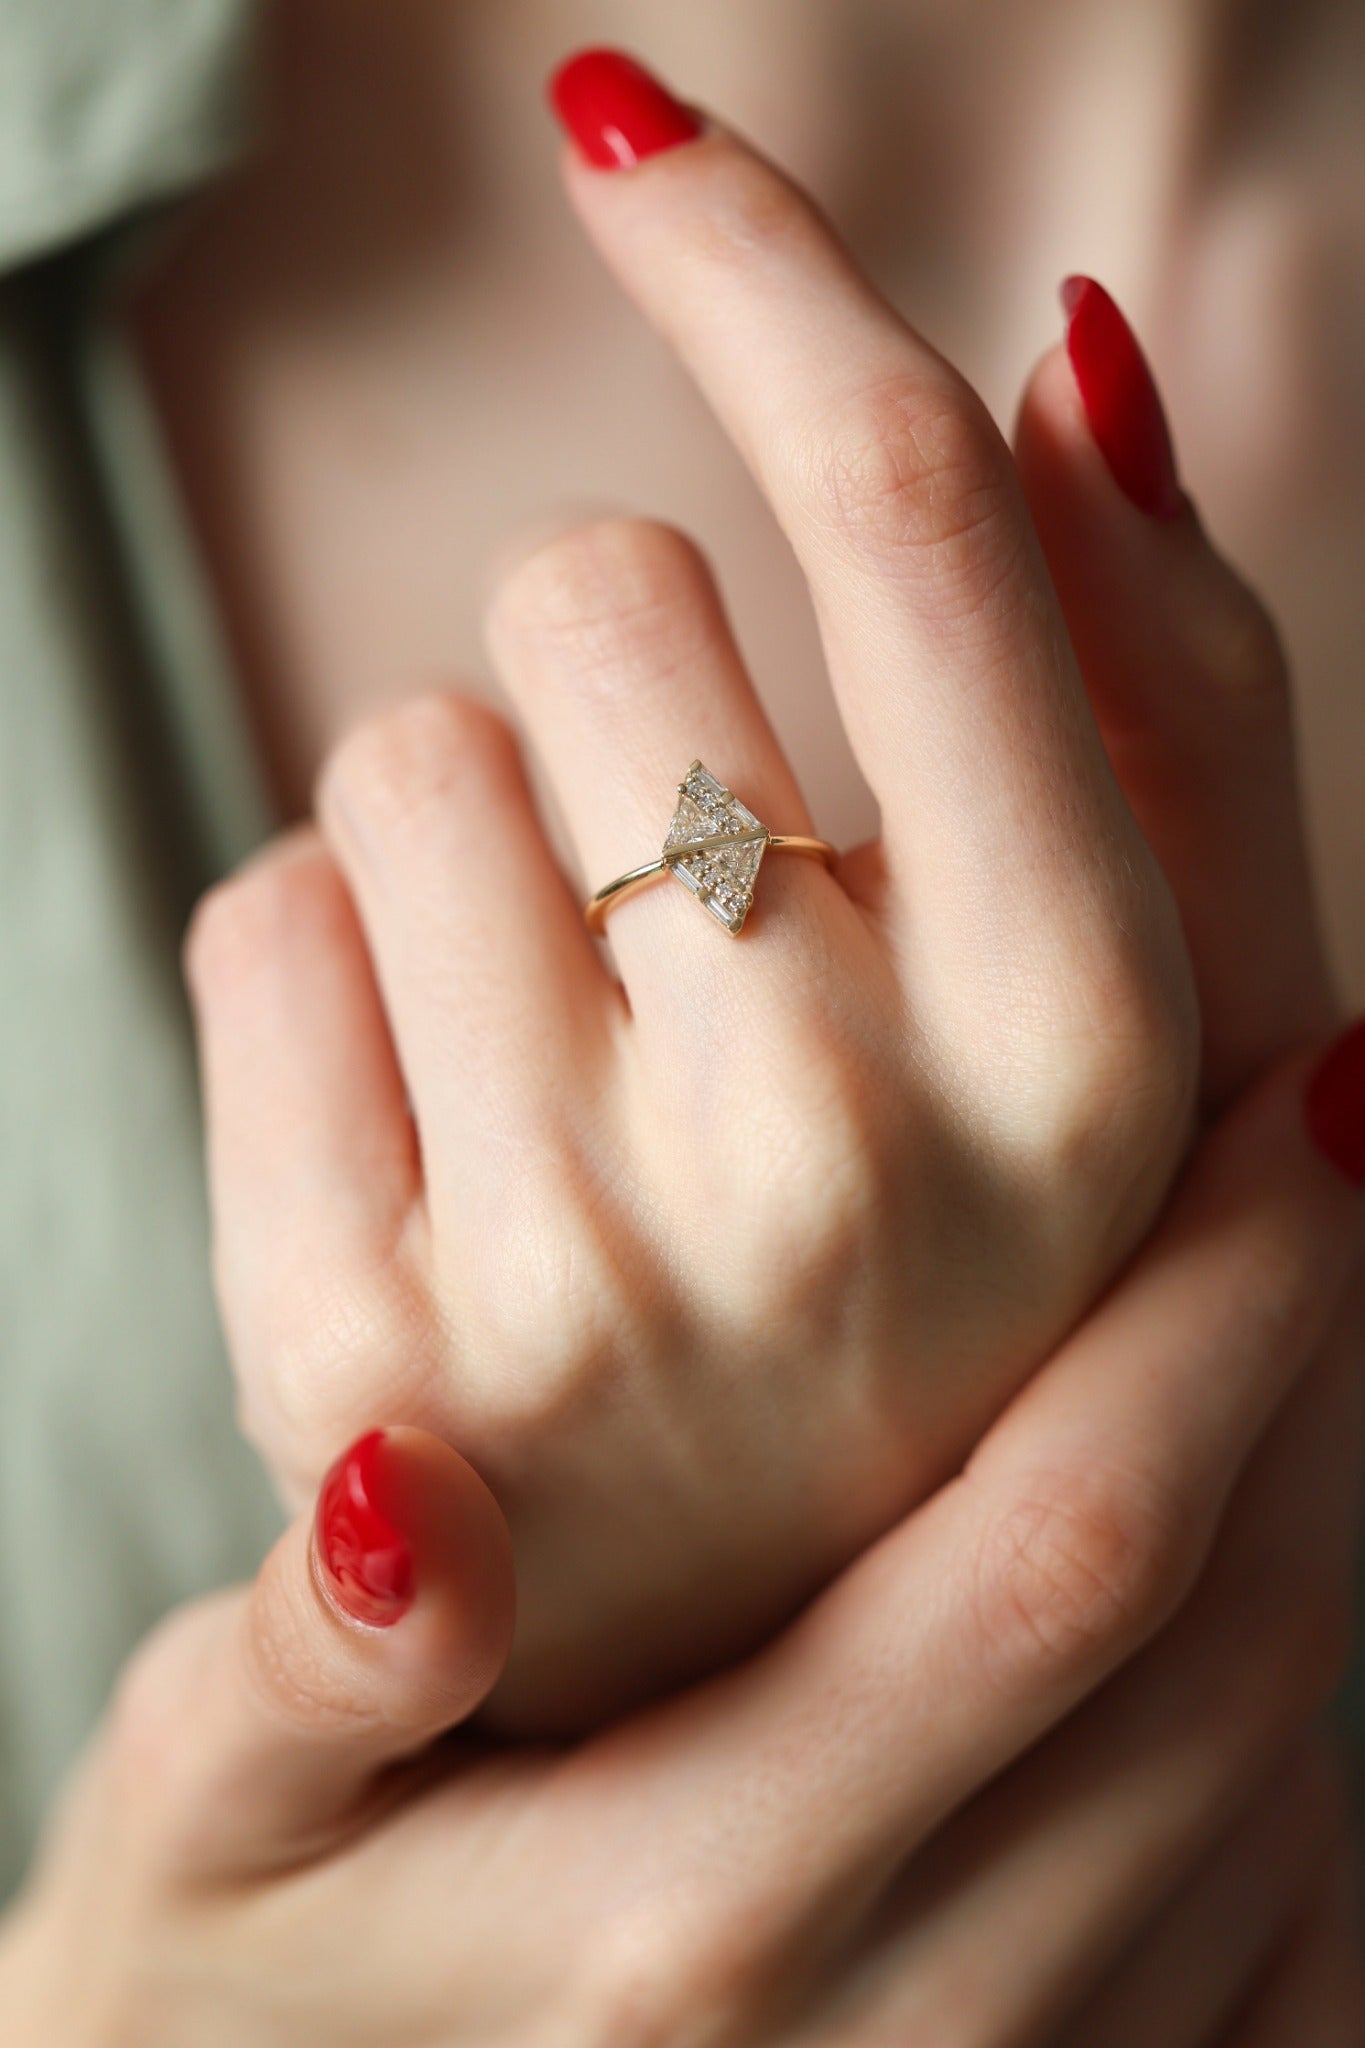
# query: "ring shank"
606,899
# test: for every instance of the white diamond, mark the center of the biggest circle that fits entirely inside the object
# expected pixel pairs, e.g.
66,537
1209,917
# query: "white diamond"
721,878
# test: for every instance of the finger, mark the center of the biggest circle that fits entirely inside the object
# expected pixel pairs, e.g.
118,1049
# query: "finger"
1188,681
254,1727
312,1156
476,937
1313,1995
1076,1532
1189,1973
945,643
1187,1969
1082,1841
613,644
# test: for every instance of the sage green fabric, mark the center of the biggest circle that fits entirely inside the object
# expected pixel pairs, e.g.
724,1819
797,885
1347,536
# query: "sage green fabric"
106,103
123,787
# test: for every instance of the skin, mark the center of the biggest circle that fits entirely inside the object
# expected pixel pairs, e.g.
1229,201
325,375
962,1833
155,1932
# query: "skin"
656,1292
347,340
1108,1871
245,1783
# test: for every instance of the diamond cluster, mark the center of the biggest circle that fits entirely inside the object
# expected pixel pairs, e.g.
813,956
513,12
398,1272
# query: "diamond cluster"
720,877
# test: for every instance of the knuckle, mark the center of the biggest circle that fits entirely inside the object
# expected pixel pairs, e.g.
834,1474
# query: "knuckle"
913,471
246,924
321,1347
575,1299
1275,1274
1102,1071
150,1741
1236,648
1125,1085
142,1712
604,603
641,1985
1079,1568
390,772
741,211
821,1179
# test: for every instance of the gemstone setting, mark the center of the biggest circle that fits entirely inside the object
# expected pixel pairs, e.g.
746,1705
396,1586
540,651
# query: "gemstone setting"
729,843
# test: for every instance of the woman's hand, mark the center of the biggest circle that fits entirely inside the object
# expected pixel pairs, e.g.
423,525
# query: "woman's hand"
263,1847
714,1273
1136,1789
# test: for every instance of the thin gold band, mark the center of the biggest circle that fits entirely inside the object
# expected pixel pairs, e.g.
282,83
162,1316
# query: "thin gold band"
607,898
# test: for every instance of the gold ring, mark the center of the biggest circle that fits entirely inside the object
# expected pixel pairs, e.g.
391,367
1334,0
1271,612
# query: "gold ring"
715,848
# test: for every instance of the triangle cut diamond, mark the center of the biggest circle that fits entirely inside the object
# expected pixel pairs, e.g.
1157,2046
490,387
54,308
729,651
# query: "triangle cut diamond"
729,847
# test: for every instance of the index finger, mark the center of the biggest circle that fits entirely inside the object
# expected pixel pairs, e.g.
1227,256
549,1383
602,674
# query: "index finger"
946,646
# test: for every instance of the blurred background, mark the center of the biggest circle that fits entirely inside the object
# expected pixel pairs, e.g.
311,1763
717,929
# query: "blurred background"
294,329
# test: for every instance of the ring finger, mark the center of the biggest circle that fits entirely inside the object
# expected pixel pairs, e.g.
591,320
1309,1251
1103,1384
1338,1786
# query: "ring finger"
502,1018
613,643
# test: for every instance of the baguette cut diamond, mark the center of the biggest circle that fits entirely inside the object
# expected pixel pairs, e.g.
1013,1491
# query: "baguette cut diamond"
721,877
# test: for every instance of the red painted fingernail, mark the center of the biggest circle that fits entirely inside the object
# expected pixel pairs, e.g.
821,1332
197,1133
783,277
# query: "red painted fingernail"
1335,1104
616,112
361,1550
1121,400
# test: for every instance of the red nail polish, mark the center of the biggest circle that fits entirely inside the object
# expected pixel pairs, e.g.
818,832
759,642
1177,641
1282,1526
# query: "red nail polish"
1121,400
362,1553
1335,1104
616,112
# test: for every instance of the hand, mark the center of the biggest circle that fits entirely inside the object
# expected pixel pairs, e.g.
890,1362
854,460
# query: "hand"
261,1846
1194,705
715,1273
1184,1834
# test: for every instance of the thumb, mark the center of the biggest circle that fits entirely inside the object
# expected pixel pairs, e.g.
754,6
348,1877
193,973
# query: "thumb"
375,1624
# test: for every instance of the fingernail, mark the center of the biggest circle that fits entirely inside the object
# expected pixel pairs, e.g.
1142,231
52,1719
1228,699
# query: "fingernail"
616,111
1121,400
362,1553
1335,1104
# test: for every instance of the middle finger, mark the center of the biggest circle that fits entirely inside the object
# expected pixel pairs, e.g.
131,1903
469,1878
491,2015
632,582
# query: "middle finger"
945,642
